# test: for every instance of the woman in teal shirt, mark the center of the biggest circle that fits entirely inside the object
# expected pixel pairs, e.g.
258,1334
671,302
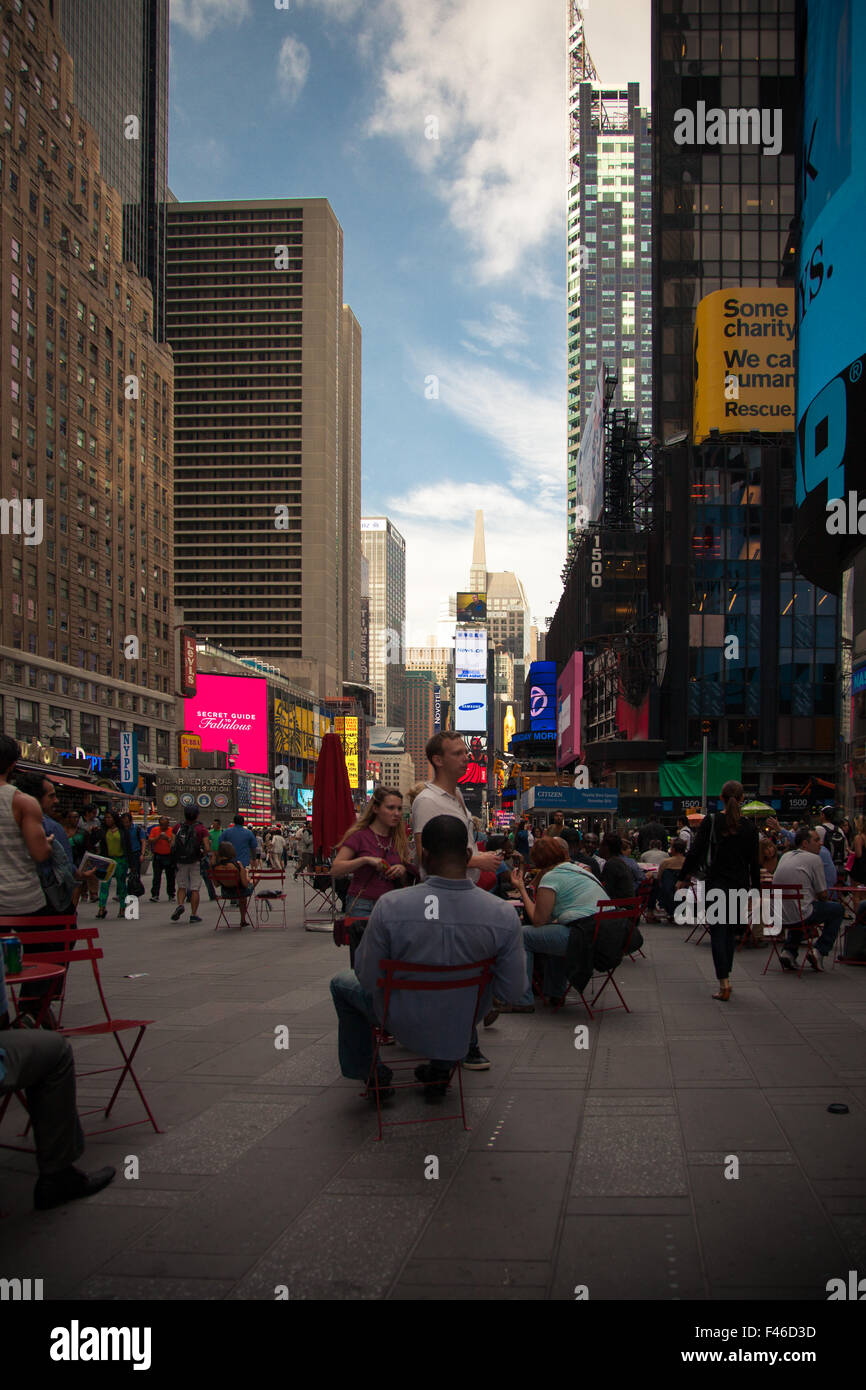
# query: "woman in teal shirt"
565,893
115,844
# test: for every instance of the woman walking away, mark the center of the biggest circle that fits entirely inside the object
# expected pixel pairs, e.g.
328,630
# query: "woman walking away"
728,846
114,844
375,852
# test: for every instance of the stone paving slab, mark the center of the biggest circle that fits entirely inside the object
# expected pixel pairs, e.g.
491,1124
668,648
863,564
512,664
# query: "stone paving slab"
601,1165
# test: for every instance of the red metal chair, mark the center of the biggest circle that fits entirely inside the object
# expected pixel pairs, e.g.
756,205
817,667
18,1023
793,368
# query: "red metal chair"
36,929
265,904
791,895
320,900
479,980
227,877
700,922
66,947
607,912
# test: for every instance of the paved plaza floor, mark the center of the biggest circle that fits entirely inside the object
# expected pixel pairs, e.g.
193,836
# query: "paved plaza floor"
608,1169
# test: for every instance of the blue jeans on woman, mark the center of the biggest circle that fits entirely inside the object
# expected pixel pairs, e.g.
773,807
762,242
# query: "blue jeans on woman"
551,941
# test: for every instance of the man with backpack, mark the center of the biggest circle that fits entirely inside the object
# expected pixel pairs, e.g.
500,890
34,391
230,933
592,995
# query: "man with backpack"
161,840
833,838
190,843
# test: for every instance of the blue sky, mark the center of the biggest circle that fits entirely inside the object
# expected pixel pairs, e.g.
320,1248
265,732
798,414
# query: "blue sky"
454,248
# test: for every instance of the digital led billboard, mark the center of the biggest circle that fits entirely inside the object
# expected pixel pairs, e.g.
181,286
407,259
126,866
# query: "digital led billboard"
476,769
831,291
470,654
569,693
231,709
470,707
542,697
471,608
744,362
386,739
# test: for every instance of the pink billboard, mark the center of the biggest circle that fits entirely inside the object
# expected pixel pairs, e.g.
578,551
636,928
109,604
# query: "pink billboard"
231,708
569,693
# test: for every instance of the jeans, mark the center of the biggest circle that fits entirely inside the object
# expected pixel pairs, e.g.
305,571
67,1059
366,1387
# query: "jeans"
355,1018
120,873
551,940
162,865
830,914
205,873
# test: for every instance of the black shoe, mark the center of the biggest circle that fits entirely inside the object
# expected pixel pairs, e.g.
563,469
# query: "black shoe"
153,899
386,1090
435,1081
177,914
491,1016
788,959
475,1060
195,919
53,1189
816,960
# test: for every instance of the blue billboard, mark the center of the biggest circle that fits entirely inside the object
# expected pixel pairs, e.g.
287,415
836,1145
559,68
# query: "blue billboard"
831,290
542,697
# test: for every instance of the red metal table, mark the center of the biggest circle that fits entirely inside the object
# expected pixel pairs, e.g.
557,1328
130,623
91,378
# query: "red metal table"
29,974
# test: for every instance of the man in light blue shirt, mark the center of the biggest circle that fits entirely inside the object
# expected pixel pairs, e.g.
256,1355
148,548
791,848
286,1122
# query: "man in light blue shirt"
41,1064
243,840
446,920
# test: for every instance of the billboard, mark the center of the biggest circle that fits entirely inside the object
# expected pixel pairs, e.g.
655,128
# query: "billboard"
831,292
569,693
470,707
476,770
187,743
386,739
470,654
744,362
589,489
471,608
231,708
215,794
542,698
348,730
188,663
295,730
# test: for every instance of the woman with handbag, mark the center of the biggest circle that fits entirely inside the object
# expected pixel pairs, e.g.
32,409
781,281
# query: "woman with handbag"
727,845
375,852
115,845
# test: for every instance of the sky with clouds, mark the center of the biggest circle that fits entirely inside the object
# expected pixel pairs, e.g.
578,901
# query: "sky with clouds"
437,131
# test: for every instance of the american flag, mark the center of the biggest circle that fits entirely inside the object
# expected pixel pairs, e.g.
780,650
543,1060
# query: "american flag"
255,800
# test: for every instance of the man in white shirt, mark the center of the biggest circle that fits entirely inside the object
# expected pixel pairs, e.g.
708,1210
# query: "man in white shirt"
448,756
802,867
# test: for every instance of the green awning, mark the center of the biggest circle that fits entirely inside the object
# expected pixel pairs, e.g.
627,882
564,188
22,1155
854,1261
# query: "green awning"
684,778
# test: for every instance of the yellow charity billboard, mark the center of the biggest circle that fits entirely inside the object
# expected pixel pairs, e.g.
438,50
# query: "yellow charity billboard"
744,362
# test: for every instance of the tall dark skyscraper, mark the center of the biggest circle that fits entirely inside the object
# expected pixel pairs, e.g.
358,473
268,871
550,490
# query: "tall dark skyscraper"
120,51
722,563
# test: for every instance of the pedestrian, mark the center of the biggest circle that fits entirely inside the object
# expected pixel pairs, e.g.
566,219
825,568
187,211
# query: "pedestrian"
91,838
449,757
190,844
684,832
114,845
305,851
243,841
727,844
161,839
278,851
137,843
858,851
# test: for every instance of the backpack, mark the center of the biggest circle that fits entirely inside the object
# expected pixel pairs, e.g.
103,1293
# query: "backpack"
187,849
835,843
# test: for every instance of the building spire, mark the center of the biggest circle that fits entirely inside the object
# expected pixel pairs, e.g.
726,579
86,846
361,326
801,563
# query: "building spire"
478,572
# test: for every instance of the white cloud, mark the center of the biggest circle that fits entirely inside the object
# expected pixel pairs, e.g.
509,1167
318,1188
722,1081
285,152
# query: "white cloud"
200,17
505,328
494,76
293,66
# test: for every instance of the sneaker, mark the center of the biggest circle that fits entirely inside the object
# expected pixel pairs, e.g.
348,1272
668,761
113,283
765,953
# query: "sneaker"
153,899
195,919
476,1061
177,914
816,960
788,959
53,1189
491,1016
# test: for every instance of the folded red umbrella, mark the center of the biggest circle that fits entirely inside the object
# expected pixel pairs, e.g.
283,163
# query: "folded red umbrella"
333,811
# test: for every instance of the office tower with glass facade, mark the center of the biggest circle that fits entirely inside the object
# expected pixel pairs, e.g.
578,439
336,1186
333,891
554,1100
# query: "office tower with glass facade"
267,424
385,552
721,554
580,69
120,52
420,691
86,430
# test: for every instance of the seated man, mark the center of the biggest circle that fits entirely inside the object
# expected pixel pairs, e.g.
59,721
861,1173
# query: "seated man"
41,1065
802,867
446,920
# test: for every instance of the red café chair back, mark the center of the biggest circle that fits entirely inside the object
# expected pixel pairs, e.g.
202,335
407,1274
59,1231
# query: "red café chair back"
477,975
228,879
274,881
606,912
68,946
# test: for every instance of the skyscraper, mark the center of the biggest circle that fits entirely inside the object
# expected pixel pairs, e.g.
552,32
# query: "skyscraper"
86,426
721,559
580,69
120,51
614,190
420,688
508,616
385,551
267,420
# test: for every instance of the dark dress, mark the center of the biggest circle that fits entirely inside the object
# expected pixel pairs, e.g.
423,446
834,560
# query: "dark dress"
733,865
